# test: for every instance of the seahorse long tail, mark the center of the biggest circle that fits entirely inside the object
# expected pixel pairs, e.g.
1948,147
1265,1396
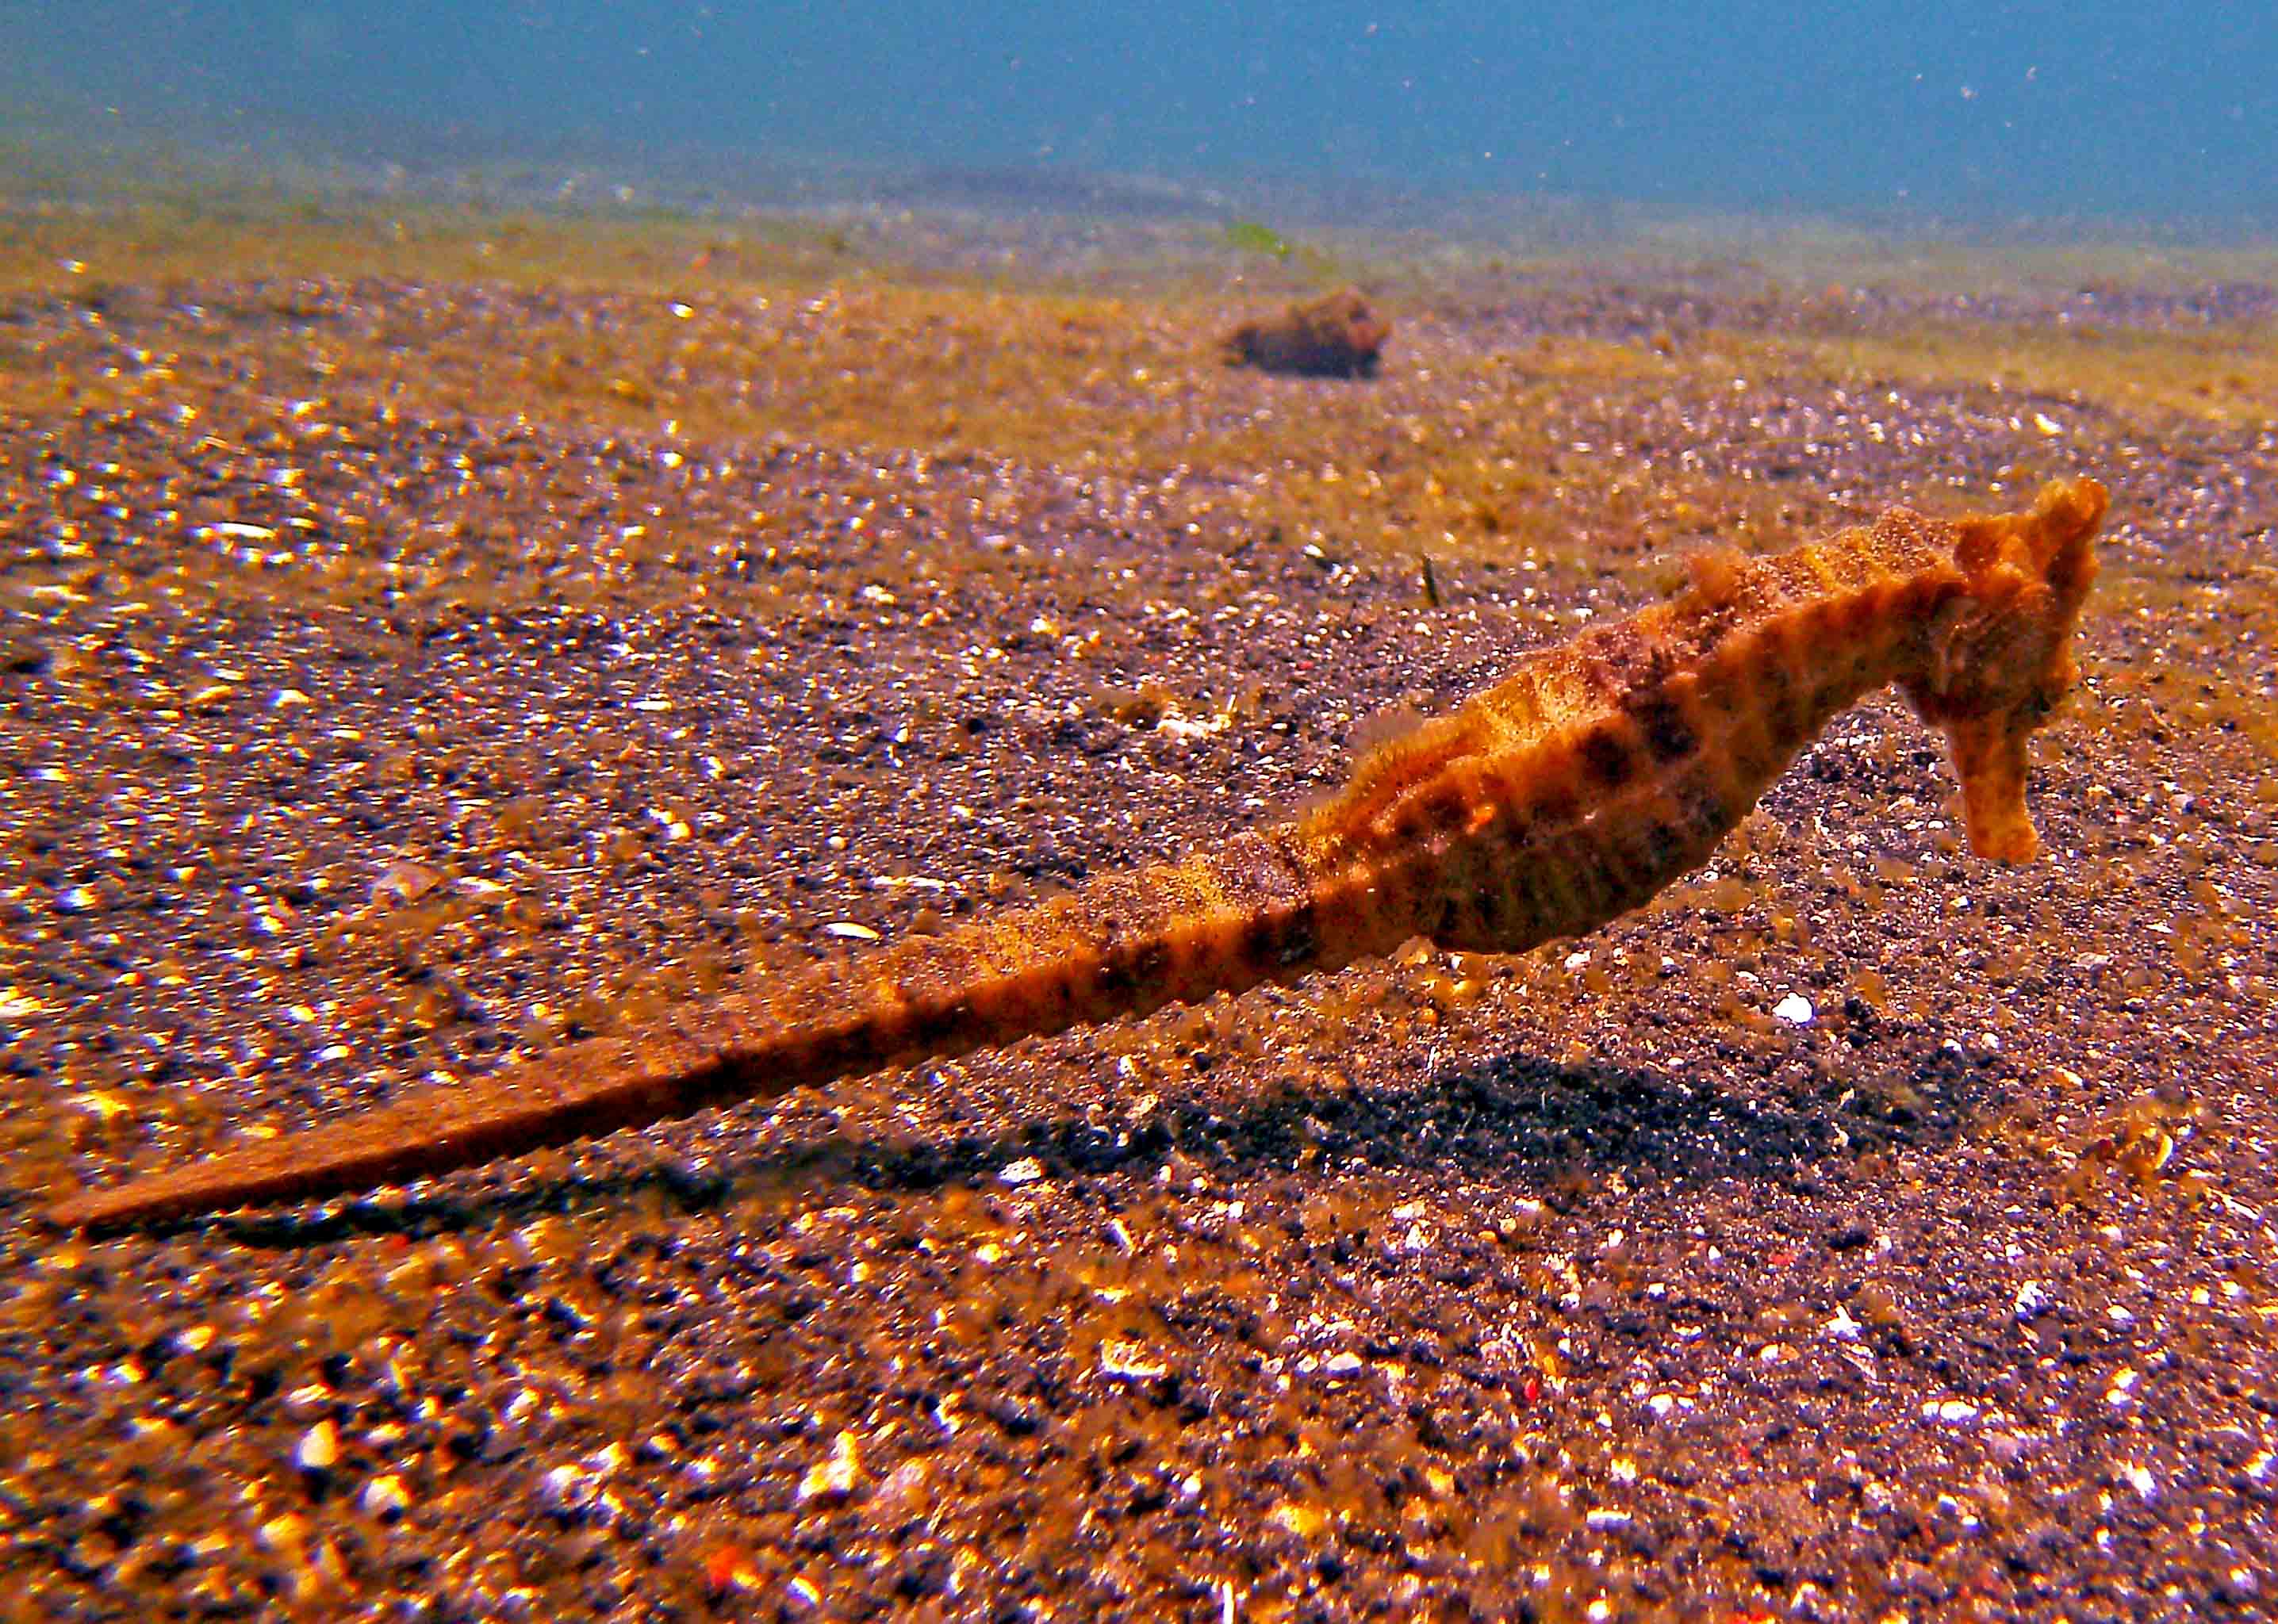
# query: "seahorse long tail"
1595,775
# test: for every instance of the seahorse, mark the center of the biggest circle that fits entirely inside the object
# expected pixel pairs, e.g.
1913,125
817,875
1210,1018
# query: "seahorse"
1543,807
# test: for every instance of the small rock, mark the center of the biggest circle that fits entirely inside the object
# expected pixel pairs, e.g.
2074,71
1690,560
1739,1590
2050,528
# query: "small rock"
402,884
311,1398
1305,1521
568,1489
834,1479
319,1448
904,1491
285,1535
386,1497
1129,1362
1335,336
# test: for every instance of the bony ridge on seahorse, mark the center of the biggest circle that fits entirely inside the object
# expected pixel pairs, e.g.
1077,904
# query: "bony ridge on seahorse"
1596,773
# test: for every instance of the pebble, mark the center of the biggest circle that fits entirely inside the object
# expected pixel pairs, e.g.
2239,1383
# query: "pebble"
311,1399
1129,1362
568,1489
386,1497
319,1448
1795,1010
285,1534
402,884
834,1478
1305,1521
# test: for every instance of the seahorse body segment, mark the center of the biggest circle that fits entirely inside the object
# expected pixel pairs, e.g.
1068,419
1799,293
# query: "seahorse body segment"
1595,774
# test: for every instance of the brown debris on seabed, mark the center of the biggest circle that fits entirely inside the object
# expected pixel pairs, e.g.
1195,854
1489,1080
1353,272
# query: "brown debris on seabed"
1336,335
1861,1229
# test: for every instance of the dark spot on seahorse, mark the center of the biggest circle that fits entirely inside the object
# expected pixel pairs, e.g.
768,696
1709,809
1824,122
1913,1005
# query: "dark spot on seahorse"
831,1053
1056,992
1448,807
1607,756
931,1026
1629,865
1279,937
1148,961
1666,848
1703,809
1303,942
1551,801
1667,736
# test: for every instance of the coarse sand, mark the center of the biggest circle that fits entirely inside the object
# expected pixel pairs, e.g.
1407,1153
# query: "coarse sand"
1861,1229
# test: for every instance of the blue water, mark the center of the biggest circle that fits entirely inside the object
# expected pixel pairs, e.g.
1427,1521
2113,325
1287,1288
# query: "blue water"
2132,110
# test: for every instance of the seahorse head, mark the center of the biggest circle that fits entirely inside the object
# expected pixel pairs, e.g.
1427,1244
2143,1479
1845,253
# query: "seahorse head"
2000,655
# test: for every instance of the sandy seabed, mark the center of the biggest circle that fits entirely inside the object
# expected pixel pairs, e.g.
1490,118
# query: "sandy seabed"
407,663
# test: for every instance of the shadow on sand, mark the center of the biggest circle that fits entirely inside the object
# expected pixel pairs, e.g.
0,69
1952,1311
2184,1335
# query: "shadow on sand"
1539,1128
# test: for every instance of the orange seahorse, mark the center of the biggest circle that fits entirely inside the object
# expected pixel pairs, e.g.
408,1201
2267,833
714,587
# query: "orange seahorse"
1599,772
